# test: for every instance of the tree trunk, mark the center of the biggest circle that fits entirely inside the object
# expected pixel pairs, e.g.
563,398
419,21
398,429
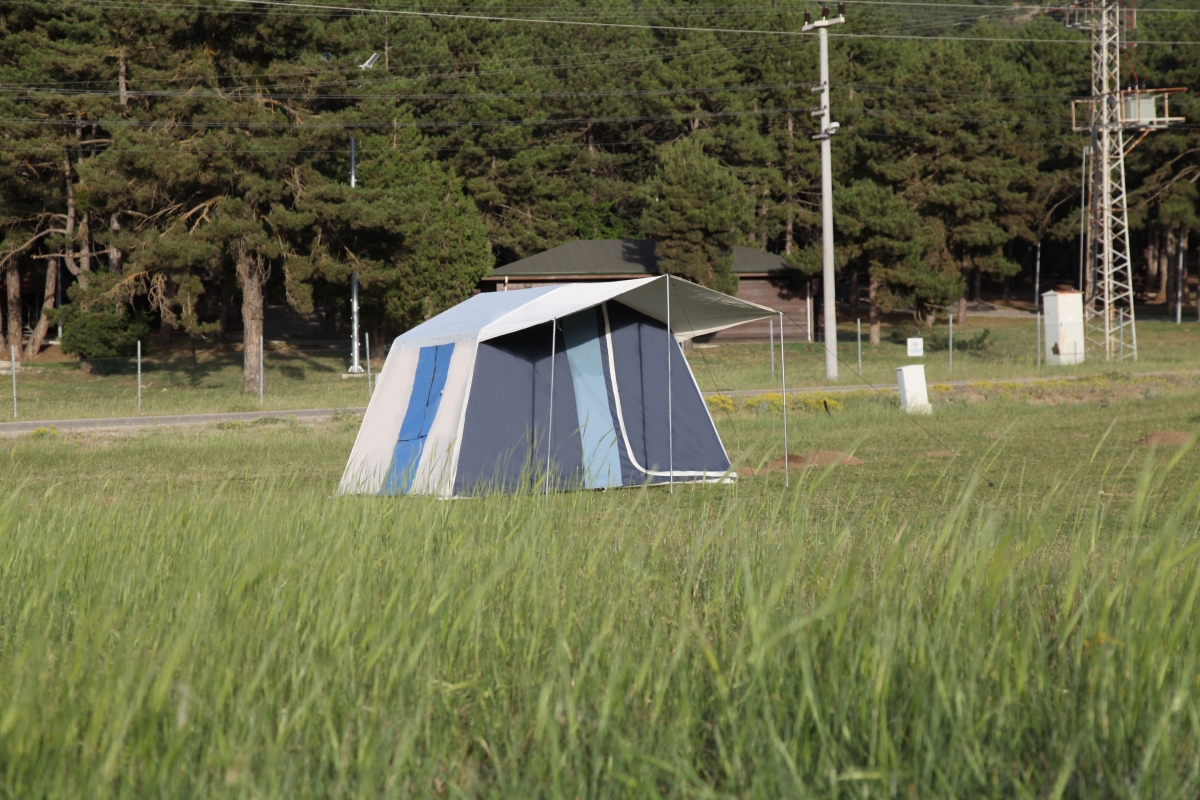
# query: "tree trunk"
873,311
84,233
223,327
854,293
122,86
12,280
43,323
788,236
69,245
962,301
1173,291
1166,252
1151,263
252,273
115,256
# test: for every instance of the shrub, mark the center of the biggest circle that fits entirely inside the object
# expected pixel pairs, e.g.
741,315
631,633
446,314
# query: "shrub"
764,403
939,339
719,402
103,334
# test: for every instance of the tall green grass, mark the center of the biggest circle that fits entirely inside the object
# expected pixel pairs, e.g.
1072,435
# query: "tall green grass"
721,641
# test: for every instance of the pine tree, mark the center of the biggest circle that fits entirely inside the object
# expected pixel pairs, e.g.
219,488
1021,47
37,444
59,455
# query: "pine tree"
695,212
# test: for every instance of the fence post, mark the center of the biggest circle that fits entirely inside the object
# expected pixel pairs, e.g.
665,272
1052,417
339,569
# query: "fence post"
12,355
952,343
858,330
139,354
367,340
262,368
1039,340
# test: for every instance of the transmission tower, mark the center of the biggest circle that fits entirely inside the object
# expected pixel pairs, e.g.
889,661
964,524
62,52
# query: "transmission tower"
1107,114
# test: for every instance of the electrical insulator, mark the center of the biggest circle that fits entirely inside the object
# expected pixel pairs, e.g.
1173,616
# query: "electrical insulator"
807,17
841,9
824,12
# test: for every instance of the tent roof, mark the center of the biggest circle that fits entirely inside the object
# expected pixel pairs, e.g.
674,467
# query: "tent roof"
694,310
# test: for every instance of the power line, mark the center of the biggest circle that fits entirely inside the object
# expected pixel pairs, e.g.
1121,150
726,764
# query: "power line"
348,125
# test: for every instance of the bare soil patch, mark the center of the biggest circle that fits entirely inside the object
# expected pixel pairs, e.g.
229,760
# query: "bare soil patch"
813,458
1165,439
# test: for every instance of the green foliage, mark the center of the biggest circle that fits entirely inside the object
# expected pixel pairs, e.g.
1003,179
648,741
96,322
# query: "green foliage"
694,213
939,339
103,333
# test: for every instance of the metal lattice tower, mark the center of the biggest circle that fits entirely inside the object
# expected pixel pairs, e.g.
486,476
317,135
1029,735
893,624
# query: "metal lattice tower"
1111,110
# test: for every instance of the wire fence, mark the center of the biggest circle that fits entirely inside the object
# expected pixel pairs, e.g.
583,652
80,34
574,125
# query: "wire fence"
183,381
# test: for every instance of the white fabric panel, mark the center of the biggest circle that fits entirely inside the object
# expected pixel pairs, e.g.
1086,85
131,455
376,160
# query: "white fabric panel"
695,310
439,458
376,443
463,322
564,301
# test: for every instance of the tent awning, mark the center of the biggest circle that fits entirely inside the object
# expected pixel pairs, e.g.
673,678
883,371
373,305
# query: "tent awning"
694,310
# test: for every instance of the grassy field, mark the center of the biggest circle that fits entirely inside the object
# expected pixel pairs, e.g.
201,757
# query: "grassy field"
1010,352
190,613
297,378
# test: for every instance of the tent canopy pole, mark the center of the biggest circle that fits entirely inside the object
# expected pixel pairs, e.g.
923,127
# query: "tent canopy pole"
787,477
550,424
670,410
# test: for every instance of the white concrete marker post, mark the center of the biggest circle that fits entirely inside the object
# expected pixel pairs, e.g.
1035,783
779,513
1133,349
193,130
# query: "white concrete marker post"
914,394
1063,342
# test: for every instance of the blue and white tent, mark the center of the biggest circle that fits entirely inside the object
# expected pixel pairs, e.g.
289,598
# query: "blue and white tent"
472,401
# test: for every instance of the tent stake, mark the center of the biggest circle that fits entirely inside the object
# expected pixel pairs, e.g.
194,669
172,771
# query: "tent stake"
550,425
670,410
787,475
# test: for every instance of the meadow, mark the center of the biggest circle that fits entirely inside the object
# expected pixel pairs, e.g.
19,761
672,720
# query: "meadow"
189,612
301,375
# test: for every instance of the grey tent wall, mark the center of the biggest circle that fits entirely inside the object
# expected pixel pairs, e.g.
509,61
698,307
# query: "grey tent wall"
504,434
639,351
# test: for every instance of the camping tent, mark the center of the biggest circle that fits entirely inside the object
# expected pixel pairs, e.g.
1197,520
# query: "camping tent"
472,401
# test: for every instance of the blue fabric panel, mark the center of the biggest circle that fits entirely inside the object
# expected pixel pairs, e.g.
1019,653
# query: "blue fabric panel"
506,422
640,350
597,427
432,366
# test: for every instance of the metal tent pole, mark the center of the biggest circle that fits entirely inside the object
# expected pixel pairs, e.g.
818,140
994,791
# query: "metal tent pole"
550,425
262,366
771,330
139,356
787,475
670,409
12,355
